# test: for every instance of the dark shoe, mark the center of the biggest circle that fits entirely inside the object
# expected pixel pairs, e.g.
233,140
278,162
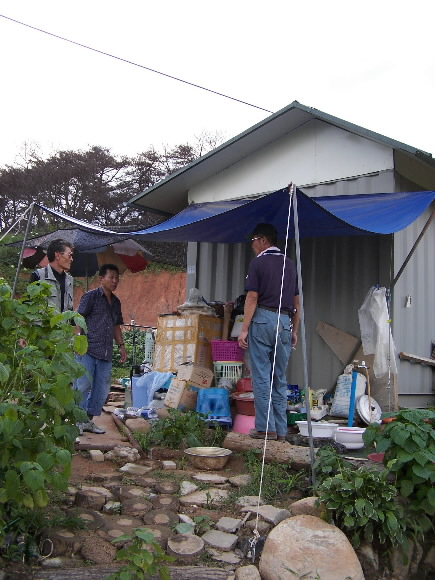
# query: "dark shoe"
92,428
281,438
271,436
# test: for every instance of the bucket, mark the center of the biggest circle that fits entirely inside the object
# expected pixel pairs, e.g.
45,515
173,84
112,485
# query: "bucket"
244,385
243,423
244,403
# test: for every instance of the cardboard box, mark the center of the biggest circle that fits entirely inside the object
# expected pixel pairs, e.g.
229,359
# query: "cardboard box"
183,339
181,395
195,375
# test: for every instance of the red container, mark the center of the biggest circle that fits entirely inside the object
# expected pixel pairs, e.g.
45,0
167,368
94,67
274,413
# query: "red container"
244,403
244,385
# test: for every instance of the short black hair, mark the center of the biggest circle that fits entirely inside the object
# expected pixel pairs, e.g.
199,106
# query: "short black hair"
268,231
105,267
57,245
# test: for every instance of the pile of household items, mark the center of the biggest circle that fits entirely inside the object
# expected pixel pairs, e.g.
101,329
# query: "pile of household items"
195,363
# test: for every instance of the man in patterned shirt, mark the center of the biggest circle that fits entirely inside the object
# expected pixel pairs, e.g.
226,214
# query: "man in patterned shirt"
102,312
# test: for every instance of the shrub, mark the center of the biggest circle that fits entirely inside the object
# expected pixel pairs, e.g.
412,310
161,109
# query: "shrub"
363,505
38,411
409,446
182,429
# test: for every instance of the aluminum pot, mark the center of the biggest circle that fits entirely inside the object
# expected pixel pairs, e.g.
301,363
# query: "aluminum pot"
209,458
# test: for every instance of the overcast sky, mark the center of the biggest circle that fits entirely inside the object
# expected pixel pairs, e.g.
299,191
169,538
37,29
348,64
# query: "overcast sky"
371,63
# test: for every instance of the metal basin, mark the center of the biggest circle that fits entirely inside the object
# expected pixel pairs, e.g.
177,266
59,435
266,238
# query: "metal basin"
210,458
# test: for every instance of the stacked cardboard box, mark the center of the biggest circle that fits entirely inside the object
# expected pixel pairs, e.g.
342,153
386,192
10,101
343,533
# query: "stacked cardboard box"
185,338
183,390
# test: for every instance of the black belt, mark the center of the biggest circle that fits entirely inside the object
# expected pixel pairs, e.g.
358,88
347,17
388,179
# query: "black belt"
283,310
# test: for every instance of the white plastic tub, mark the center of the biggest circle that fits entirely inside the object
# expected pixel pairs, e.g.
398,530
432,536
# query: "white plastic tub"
320,429
350,437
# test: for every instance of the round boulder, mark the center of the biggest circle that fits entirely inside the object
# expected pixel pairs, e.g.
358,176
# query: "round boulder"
306,545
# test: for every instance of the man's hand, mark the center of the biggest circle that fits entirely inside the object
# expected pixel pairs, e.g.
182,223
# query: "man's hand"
243,343
123,354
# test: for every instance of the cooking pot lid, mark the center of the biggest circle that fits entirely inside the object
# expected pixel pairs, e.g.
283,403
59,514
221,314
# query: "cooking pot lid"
368,409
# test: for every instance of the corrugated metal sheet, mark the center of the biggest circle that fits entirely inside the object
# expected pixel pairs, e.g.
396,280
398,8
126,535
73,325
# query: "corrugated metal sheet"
414,327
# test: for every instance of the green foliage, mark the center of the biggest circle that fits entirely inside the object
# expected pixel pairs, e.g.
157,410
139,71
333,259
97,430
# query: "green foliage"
327,463
409,446
201,525
182,429
144,557
156,267
8,265
134,340
363,505
38,411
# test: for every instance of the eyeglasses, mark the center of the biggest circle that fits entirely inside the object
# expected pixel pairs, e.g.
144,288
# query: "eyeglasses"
256,238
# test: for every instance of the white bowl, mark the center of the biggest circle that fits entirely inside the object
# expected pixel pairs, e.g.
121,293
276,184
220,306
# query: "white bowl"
350,437
320,429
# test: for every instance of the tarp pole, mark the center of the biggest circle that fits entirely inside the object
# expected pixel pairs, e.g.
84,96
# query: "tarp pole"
414,247
303,333
29,221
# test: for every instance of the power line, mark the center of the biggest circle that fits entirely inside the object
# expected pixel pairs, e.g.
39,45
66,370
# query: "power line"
134,64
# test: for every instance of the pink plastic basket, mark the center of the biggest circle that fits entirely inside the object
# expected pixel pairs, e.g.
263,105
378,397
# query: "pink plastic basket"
226,351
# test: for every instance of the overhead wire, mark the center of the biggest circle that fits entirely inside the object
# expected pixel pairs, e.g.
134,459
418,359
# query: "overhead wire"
104,53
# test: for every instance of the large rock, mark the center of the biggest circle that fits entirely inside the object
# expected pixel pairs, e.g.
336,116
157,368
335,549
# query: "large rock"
306,545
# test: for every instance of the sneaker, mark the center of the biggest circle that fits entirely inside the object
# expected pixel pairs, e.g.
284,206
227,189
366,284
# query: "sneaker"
92,428
80,428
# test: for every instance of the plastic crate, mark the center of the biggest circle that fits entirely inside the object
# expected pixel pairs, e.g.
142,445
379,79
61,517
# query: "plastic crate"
228,370
226,351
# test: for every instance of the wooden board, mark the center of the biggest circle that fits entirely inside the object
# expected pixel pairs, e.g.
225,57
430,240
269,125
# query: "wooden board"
417,359
101,573
342,344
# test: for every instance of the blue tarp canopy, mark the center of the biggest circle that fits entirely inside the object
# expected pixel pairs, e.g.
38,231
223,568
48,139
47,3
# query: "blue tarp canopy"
232,221
344,215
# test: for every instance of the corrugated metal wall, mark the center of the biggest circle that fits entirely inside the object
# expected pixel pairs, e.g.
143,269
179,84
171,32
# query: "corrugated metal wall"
337,274
414,327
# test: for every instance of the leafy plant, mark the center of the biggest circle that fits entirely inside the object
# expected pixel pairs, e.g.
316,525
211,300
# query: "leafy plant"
144,557
38,411
182,429
327,463
363,505
409,446
201,524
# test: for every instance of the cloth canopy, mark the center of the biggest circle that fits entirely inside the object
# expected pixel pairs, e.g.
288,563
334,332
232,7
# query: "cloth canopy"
232,221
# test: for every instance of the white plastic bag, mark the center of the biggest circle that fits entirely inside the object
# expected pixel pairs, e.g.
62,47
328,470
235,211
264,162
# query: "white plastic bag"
376,334
152,382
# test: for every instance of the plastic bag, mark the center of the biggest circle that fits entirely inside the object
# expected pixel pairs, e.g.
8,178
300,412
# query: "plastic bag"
376,334
152,382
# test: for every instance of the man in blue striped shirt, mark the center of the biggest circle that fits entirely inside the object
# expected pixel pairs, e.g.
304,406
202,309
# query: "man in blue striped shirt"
102,312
